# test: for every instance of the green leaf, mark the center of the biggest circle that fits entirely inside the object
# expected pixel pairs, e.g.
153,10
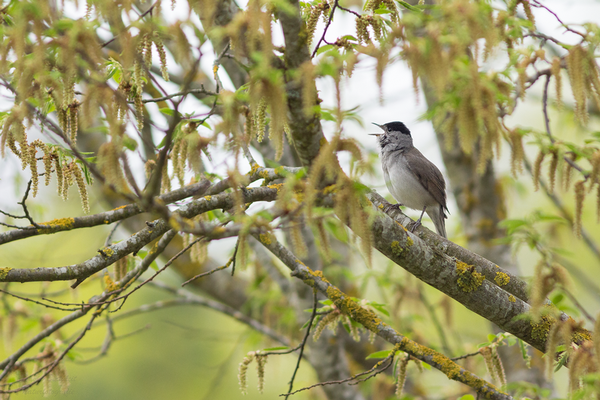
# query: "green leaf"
491,337
466,397
379,354
523,348
74,355
561,361
129,143
167,111
408,6
381,308
325,48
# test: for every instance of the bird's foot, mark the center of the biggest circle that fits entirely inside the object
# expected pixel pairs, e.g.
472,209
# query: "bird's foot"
389,207
414,226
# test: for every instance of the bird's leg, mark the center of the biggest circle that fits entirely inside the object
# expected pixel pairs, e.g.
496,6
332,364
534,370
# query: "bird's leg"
418,223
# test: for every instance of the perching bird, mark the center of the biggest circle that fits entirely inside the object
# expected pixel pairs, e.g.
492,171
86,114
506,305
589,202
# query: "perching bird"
413,180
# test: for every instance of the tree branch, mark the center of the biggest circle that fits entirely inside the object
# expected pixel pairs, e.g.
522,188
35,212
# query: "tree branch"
374,324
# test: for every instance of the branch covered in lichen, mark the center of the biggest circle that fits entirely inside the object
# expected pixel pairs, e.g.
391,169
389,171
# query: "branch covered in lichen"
373,323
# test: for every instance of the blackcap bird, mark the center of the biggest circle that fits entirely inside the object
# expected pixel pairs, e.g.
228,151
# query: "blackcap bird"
413,180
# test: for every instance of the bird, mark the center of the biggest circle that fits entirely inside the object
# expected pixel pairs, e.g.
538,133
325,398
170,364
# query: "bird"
413,180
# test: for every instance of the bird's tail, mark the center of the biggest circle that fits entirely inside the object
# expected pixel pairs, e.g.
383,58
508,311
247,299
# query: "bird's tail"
438,217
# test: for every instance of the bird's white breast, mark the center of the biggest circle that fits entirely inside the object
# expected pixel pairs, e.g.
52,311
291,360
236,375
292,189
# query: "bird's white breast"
403,184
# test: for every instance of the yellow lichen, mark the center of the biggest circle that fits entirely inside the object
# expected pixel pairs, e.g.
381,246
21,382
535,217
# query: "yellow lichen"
512,299
352,309
207,198
501,279
330,189
255,168
111,286
118,208
468,280
55,225
277,186
265,238
409,241
107,252
540,330
4,271
579,335
396,248
218,230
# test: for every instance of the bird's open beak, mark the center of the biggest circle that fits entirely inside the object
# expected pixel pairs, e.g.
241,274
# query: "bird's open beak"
376,134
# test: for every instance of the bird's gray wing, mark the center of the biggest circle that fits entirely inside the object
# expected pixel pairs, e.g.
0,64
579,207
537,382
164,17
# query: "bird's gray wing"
428,175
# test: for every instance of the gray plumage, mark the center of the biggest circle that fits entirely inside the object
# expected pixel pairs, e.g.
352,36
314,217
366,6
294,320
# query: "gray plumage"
413,180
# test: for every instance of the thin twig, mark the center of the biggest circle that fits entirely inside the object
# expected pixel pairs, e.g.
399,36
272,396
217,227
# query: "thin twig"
125,296
25,210
389,358
38,302
127,28
477,353
545,108
536,3
548,131
335,5
170,96
578,305
212,271
435,320
348,10
111,233
303,344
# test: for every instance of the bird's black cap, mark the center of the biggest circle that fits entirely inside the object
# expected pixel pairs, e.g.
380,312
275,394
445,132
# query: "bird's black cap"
397,126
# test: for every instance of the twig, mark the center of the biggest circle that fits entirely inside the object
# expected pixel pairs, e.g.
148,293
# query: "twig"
348,10
335,5
536,3
235,251
389,358
578,304
212,271
216,68
187,297
435,320
170,96
545,108
125,296
303,344
25,210
549,133
588,240
111,233
59,358
127,28
477,353
38,302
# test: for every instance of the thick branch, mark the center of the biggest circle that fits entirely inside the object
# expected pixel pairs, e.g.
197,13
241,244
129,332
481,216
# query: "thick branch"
463,283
